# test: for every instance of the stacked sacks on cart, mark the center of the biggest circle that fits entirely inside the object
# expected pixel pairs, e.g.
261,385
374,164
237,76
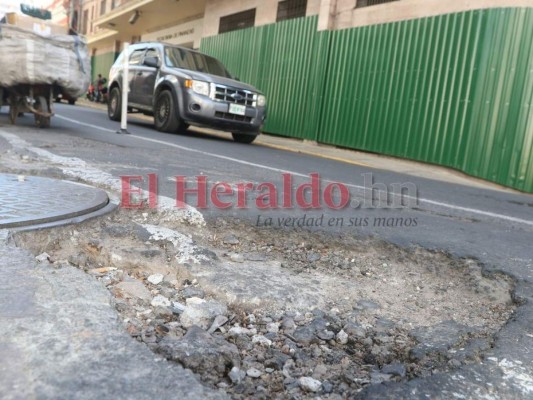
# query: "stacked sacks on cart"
29,58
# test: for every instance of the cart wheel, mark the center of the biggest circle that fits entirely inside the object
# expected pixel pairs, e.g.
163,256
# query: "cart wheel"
42,105
13,114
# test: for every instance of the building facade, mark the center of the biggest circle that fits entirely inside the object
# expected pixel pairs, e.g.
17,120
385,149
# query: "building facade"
7,7
109,23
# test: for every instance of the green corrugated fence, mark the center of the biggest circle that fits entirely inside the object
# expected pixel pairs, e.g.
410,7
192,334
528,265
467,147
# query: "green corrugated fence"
454,90
279,59
101,64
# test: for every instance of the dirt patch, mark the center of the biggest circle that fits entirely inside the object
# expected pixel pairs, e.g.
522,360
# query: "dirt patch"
285,314
417,286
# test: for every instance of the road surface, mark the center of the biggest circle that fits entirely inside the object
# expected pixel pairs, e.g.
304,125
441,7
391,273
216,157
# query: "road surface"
493,226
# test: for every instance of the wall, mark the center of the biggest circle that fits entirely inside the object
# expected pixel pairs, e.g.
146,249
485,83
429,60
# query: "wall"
455,89
59,14
341,14
266,11
93,10
187,33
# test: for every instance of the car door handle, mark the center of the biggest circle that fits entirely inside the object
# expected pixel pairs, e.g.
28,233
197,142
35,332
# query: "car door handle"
139,73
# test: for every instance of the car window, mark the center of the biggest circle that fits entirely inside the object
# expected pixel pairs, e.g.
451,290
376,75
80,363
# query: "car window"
151,53
182,58
179,58
136,57
199,61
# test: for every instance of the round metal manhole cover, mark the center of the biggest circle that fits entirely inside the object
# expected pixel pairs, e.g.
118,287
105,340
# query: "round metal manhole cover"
30,200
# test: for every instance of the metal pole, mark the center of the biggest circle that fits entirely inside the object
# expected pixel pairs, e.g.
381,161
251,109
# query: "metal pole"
125,90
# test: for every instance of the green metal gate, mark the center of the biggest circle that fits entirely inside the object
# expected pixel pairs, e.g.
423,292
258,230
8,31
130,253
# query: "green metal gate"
287,61
454,90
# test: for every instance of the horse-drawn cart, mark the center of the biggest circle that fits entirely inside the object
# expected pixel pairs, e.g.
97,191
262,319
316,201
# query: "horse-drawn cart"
35,68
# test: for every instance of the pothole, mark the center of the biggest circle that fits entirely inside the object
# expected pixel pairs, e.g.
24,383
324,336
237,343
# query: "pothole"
285,314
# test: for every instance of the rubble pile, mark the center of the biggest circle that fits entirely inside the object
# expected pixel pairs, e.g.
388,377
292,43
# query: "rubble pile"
333,351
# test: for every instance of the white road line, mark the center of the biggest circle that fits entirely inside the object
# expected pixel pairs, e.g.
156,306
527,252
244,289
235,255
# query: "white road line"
84,124
279,170
177,146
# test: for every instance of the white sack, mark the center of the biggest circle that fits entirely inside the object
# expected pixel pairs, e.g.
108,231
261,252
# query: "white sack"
29,58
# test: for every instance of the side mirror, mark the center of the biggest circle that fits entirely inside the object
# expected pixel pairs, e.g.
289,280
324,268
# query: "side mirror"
151,62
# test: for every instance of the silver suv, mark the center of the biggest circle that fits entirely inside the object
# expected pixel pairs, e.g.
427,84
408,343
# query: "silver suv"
182,87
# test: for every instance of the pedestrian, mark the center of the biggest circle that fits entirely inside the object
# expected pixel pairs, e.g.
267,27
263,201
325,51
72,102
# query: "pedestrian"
101,88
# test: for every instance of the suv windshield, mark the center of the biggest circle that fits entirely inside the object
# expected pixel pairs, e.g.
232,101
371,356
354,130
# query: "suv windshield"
193,61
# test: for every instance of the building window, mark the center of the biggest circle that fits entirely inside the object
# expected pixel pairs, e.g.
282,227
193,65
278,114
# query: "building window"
85,22
74,22
368,3
233,22
102,7
289,9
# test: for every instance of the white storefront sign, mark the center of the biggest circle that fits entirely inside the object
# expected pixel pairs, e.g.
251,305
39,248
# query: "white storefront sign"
189,32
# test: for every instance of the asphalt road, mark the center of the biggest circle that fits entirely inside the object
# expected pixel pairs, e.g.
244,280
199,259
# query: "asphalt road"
495,227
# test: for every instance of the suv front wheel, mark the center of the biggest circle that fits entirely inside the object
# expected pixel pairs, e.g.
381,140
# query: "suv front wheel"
114,106
165,116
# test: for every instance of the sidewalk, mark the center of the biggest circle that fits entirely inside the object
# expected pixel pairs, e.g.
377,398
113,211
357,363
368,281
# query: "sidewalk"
60,336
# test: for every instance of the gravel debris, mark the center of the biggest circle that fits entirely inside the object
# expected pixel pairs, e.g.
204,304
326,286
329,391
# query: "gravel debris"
155,279
395,315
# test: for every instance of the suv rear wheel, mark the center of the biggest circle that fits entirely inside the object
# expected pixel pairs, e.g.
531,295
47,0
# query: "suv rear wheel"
165,116
243,138
114,106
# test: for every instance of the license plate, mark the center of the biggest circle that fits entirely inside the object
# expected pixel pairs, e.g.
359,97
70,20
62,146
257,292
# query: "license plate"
237,109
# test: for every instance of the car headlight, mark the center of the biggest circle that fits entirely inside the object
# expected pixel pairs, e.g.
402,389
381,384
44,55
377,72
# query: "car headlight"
199,87
261,100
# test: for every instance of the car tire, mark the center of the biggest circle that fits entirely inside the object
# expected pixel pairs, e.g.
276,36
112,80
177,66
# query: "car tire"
13,114
243,138
72,102
165,116
183,127
42,105
114,106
